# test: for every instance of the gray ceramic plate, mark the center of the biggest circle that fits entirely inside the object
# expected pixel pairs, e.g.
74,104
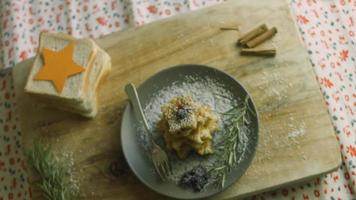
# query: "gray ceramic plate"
136,154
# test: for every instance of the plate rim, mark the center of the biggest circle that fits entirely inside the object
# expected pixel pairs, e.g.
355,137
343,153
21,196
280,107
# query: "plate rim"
142,180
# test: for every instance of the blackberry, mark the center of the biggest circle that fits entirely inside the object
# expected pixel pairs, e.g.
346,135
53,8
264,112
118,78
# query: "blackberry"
182,113
195,179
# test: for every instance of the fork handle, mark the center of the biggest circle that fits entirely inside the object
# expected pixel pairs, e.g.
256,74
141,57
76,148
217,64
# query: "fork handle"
135,102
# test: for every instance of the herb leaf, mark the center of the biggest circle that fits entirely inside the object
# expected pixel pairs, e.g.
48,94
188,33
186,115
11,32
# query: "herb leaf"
237,118
53,173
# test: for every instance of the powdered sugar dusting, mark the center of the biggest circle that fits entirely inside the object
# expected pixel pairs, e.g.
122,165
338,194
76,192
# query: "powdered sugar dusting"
206,91
298,131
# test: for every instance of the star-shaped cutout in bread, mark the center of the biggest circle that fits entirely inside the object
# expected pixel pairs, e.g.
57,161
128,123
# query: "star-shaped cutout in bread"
58,66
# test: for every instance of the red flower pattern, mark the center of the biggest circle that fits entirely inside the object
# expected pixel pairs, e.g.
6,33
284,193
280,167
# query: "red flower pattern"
327,27
101,21
327,82
351,150
344,54
152,9
302,19
23,55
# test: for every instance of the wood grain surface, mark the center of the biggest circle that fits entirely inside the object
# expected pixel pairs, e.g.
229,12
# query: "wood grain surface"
297,139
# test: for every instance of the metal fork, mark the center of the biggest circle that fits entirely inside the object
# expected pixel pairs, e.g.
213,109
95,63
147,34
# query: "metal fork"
158,155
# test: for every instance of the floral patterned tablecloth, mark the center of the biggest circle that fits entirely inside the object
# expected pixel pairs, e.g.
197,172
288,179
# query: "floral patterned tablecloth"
328,29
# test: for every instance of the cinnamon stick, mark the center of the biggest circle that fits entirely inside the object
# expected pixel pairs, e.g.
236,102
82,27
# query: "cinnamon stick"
259,52
261,38
229,28
252,34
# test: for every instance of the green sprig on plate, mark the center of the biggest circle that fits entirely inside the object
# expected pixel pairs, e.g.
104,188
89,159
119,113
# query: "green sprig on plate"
237,119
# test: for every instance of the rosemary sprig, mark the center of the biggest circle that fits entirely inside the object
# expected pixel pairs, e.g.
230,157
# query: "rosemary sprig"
237,119
54,181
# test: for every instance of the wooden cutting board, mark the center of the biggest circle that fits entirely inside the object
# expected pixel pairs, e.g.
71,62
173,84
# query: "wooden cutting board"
297,139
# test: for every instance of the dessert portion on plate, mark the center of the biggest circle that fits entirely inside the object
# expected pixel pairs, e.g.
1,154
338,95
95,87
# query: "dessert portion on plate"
207,123
66,73
188,126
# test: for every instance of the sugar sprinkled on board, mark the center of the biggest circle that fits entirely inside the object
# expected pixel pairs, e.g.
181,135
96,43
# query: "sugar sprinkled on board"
275,89
67,157
297,131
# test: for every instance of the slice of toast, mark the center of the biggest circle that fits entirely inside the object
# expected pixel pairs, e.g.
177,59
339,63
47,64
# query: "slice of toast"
101,67
74,92
82,100
103,60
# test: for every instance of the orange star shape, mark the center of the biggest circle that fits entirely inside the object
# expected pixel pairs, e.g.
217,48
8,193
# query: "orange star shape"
58,66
